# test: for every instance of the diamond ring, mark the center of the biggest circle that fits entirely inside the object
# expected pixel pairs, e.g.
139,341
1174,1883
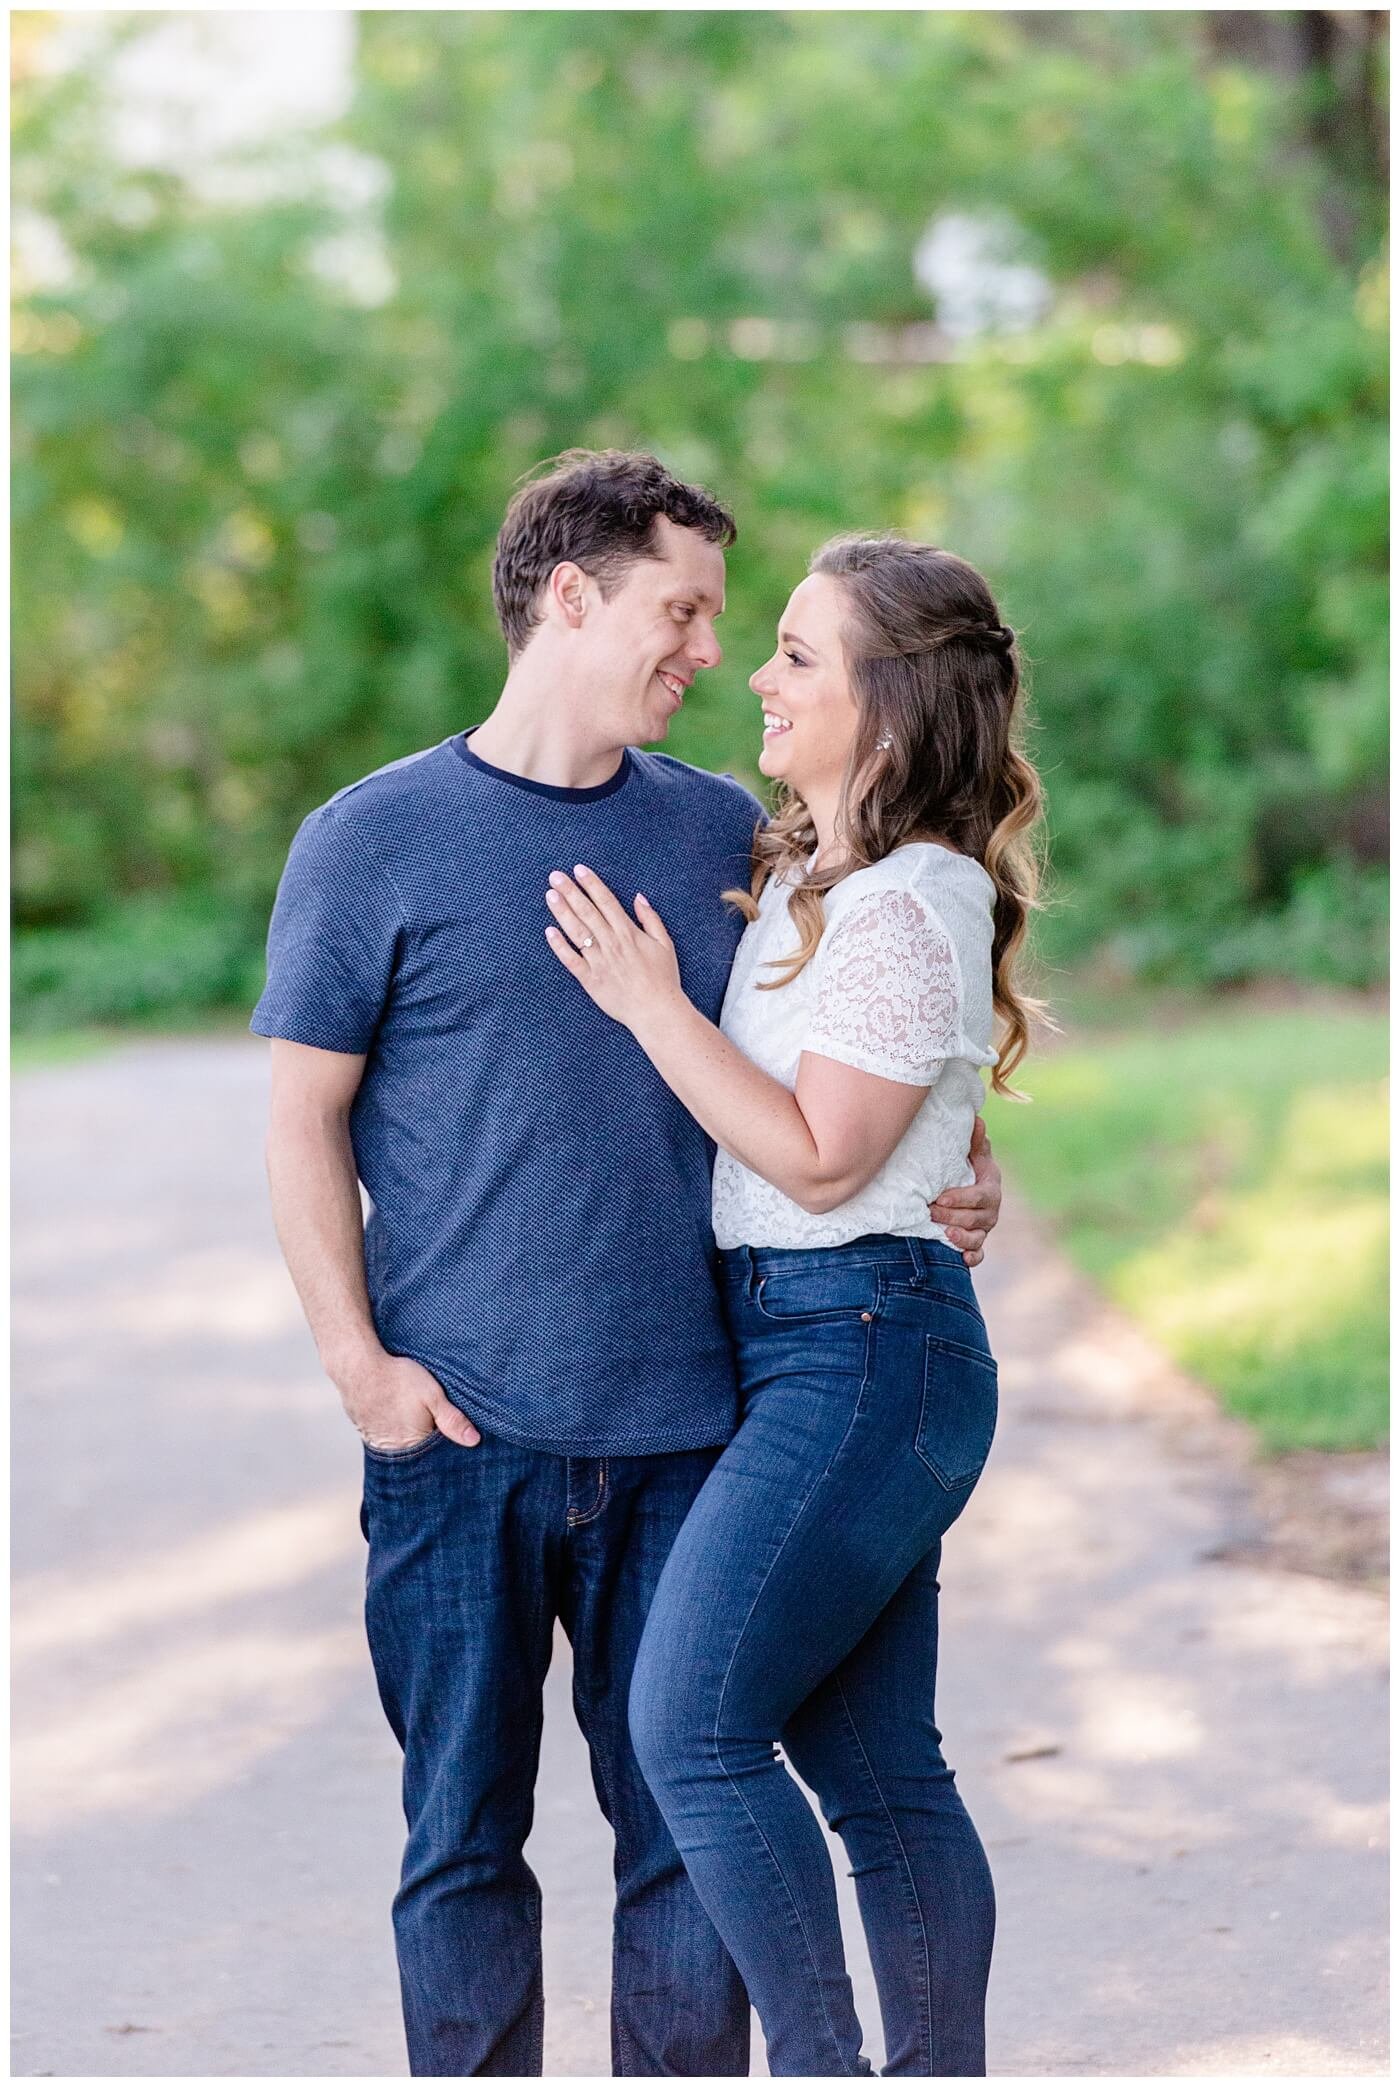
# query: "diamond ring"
587,942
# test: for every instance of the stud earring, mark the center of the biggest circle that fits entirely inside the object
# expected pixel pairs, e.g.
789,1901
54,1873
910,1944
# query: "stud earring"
884,745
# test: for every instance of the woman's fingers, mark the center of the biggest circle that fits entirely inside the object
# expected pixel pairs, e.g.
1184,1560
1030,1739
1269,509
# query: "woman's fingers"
567,921
566,953
598,892
574,911
651,922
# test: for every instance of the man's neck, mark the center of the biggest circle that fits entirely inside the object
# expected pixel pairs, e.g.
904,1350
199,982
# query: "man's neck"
531,734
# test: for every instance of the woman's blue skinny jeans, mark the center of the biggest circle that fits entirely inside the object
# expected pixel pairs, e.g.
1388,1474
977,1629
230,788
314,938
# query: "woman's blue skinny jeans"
799,1605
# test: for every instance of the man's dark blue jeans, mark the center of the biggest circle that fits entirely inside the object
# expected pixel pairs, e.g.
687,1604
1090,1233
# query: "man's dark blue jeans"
473,1553
800,1605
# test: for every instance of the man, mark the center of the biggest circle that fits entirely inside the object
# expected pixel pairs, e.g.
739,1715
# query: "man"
526,1332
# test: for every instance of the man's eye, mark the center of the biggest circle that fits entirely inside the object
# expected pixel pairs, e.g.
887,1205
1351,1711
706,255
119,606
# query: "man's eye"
685,609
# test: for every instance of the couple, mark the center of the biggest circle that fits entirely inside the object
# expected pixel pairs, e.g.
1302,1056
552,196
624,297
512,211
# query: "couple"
712,1408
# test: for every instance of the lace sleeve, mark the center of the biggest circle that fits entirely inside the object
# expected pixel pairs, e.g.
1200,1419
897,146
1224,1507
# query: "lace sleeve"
887,997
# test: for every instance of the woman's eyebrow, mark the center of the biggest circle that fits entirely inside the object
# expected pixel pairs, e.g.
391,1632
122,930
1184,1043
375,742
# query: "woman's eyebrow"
790,637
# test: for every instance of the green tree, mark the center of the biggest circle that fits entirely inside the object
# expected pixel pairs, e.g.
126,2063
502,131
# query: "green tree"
255,505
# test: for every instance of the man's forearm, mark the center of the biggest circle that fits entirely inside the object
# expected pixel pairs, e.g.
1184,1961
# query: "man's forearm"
316,1209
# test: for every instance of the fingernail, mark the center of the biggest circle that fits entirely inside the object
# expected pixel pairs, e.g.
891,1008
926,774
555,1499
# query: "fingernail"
556,876
582,870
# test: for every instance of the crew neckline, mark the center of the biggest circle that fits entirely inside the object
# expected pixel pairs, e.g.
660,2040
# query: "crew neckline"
586,794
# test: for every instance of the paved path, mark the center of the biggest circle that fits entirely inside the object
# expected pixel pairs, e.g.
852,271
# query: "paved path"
1175,1759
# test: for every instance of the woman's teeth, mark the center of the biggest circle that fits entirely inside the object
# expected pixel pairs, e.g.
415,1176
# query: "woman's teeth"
773,726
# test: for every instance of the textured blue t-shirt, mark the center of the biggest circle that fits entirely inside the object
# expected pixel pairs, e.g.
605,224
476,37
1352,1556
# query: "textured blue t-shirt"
540,1233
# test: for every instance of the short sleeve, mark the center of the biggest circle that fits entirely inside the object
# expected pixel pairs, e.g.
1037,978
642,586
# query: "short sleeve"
332,944
761,814
887,996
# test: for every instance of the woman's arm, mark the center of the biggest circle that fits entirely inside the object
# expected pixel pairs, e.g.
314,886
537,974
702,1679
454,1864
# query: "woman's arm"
820,1145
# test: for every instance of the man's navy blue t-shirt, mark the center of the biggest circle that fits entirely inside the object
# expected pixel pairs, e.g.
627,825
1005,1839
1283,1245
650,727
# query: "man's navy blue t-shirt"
540,1233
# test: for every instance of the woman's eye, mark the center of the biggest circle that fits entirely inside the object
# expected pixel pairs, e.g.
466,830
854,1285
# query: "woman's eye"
797,659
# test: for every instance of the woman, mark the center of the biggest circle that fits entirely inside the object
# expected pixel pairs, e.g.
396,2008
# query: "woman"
799,1603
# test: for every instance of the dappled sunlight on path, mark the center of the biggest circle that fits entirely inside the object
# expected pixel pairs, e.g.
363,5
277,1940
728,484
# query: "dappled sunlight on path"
185,1723
1176,1759
267,1550
149,1686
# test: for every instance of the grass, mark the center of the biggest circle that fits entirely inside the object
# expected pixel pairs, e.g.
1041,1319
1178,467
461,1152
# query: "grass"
1222,1172
33,1050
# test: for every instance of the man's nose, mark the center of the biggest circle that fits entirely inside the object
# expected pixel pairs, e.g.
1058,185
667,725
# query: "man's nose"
707,652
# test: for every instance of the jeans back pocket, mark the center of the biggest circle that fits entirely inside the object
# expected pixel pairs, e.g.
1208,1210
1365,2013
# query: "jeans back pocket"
958,1413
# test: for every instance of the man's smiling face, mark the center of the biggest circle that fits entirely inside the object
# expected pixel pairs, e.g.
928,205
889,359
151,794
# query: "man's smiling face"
647,641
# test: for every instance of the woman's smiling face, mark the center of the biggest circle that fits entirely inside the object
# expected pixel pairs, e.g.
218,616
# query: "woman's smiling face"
809,712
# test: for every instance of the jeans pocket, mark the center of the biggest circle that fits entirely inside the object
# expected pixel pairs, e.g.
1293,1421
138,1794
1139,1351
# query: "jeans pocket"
815,1294
407,1453
958,1414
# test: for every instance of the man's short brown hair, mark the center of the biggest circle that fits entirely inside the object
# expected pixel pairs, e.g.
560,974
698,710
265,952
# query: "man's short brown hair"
595,509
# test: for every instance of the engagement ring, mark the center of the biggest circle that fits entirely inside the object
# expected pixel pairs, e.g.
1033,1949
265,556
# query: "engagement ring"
587,942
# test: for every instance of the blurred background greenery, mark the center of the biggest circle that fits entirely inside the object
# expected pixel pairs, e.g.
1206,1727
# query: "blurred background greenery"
1097,299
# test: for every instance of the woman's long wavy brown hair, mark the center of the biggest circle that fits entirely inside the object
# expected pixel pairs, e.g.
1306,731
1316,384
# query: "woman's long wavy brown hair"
935,671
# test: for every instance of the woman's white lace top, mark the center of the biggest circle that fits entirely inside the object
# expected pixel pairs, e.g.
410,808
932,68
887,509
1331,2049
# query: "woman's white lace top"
901,986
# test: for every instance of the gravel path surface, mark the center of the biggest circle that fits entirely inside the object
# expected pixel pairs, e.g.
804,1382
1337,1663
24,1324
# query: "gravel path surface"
1173,1747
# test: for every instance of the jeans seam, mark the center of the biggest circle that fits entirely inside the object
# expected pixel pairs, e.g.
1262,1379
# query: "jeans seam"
719,1714
537,2039
862,1399
579,1521
926,1993
598,1754
957,1304
584,1710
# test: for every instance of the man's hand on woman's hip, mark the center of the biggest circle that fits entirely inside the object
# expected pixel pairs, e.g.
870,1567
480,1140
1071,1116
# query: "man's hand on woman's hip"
394,1402
968,1214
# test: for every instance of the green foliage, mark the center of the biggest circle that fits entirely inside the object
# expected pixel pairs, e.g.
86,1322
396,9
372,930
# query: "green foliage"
1224,1177
151,956
254,507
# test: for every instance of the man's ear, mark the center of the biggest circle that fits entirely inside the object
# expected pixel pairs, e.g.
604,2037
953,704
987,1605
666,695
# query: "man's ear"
567,591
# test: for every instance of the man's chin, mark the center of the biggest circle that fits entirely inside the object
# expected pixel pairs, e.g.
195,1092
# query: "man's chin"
658,729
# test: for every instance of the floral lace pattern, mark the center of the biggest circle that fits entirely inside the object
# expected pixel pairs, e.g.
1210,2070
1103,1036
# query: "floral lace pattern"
900,987
887,994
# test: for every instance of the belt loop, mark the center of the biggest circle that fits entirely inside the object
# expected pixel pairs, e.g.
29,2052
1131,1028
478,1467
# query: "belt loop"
916,1262
752,1284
